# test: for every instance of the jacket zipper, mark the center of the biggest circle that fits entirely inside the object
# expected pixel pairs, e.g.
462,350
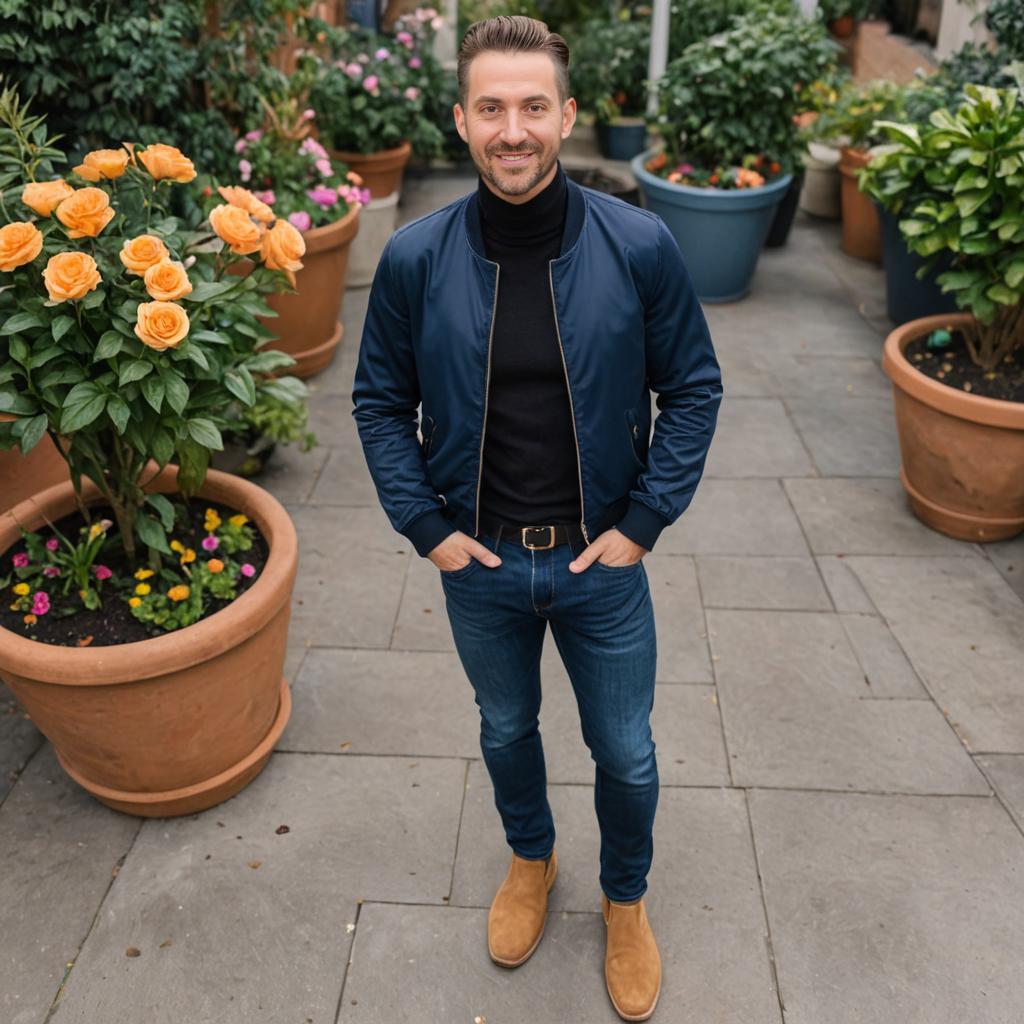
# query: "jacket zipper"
487,390
572,409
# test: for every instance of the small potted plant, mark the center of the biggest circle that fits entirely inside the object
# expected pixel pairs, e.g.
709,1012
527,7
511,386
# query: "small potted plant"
285,172
610,79
955,185
842,16
146,599
727,162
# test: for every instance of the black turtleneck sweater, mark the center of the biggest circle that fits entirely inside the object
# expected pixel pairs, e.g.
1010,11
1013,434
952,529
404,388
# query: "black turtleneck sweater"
530,472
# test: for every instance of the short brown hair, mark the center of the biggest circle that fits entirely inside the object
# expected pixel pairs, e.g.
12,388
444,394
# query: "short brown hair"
513,33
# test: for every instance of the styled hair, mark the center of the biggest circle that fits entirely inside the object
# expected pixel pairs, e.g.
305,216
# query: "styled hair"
513,33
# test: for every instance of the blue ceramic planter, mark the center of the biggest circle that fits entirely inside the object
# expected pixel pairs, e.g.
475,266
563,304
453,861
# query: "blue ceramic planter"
720,232
621,140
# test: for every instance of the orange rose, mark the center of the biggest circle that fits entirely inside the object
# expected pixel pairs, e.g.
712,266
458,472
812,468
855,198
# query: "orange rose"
167,280
167,162
236,227
161,325
43,196
70,275
283,245
103,163
245,200
20,243
86,212
139,254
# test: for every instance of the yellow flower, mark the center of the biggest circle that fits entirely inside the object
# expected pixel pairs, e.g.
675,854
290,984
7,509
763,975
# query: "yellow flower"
143,574
188,556
143,589
213,520
238,520
21,589
134,602
176,545
178,593
95,530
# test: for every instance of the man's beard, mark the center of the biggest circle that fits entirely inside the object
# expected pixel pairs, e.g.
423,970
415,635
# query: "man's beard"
519,186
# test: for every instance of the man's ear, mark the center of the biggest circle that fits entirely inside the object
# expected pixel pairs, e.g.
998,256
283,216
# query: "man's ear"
460,122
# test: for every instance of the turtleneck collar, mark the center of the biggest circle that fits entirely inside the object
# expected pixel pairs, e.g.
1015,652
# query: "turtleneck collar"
522,222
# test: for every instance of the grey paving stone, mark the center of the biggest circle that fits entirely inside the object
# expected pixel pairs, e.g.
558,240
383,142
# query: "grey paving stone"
892,908
1006,772
351,572
1008,557
345,480
963,629
383,702
850,436
19,740
276,947
843,586
59,848
703,900
755,373
735,517
422,620
789,688
868,516
755,438
683,655
885,666
782,583
292,473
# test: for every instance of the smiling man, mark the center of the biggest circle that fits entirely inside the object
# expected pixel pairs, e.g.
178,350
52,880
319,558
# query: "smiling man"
531,320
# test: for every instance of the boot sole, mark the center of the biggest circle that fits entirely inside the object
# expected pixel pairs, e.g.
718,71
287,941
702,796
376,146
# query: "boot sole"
540,935
633,1016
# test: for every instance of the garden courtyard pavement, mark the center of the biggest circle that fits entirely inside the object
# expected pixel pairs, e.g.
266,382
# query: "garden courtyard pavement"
839,721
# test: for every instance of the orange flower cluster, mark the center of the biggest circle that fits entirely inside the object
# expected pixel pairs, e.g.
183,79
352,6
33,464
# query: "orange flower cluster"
748,179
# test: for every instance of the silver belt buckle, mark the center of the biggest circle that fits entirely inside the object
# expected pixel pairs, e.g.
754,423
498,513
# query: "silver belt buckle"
539,547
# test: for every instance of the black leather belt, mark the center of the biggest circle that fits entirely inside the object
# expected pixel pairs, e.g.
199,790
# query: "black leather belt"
535,538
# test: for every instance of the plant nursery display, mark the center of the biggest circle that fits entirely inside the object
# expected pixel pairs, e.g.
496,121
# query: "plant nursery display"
727,163
145,597
956,185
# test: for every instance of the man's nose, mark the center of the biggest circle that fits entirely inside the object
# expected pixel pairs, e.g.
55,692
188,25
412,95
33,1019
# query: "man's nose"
514,131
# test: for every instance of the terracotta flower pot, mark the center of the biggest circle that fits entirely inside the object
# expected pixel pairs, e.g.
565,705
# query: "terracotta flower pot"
381,171
180,722
862,232
842,28
21,476
307,325
962,455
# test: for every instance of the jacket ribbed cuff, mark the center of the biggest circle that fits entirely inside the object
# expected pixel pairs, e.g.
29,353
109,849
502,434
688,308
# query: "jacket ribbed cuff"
427,531
641,525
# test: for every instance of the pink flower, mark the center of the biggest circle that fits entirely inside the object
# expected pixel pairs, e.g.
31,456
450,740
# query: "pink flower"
247,569
301,220
364,197
370,82
323,196
405,38
241,146
52,544
102,572
40,603
210,543
412,93
314,147
383,53
414,62
267,197
353,70
255,135
245,169
437,24
50,571
323,165
20,561
308,114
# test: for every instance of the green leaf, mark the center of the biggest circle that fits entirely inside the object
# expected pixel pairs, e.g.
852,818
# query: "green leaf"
76,415
209,336
119,413
17,405
206,290
135,370
153,392
1014,273
109,345
1003,295
20,322
162,447
268,361
60,326
197,356
152,533
94,298
241,386
193,460
164,509
18,351
32,432
129,309
177,390
203,432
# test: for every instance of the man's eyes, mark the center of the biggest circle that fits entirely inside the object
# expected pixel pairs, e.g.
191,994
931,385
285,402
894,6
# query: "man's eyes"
538,107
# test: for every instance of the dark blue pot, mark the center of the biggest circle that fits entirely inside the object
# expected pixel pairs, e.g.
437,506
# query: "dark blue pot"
906,296
720,232
621,140
785,213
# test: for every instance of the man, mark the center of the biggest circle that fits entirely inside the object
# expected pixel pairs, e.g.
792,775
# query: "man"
532,318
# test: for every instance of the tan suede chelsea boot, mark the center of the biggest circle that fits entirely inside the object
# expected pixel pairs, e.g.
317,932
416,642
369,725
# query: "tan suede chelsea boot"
632,963
515,923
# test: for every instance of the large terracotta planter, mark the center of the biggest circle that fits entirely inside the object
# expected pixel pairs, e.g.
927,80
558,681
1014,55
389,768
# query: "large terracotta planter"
307,324
177,723
962,455
381,171
21,476
862,232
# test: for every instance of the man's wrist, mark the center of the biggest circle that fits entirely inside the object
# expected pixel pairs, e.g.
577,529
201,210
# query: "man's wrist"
427,531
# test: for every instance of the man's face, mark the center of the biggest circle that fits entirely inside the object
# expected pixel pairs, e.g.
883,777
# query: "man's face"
513,122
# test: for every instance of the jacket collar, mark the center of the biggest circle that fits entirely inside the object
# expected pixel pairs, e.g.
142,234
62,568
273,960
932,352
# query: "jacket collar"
575,214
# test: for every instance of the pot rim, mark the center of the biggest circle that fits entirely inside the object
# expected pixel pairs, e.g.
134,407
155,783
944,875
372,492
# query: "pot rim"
378,154
780,184
156,656
992,412
330,236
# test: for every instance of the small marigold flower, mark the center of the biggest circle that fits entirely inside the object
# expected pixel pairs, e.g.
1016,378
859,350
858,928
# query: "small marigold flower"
238,520
213,517
143,574
95,530
21,589
30,619
143,589
178,593
134,602
247,569
20,561
176,545
215,565
188,556
210,543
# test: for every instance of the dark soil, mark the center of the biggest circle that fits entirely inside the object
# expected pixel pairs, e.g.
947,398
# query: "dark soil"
952,365
114,623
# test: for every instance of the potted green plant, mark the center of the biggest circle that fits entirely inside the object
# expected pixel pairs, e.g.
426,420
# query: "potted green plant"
841,16
955,185
725,109
147,599
610,79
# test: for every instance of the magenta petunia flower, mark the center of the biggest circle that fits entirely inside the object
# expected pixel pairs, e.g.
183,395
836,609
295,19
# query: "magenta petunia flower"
370,82
255,135
323,196
353,70
267,197
301,220
314,147
210,543
241,146
247,569
40,603
383,53
414,62
20,560
52,544
245,169
405,38
101,572
323,165
308,114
